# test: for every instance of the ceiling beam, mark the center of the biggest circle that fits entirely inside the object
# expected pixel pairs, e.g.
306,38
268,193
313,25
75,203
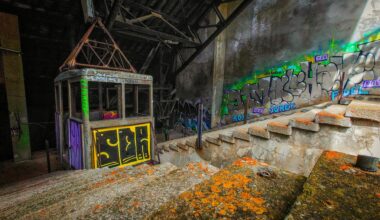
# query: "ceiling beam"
221,26
113,13
125,28
131,3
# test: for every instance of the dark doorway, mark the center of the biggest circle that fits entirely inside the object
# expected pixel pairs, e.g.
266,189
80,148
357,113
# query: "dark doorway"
5,135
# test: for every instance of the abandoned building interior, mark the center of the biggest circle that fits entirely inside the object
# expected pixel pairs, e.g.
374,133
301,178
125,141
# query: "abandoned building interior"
189,109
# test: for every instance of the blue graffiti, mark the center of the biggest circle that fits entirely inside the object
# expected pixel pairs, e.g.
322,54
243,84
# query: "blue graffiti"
282,107
356,90
237,118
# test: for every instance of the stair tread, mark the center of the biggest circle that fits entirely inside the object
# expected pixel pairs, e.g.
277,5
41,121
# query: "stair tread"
364,110
107,182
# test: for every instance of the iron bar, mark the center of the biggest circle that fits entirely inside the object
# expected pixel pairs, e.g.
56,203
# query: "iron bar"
199,125
149,59
113,13
10,50
228,21
148,9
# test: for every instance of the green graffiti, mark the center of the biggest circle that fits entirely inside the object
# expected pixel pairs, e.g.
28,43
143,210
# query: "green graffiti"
334,47
24,142
84,96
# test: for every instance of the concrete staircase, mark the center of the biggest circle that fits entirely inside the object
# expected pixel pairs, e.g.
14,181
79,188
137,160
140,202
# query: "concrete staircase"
100,193
292,141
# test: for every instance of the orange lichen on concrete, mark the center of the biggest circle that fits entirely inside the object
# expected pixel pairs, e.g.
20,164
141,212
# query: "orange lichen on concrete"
277,124
97,208
150,171
331,115
104,182
225,194
332,155
245,161
304,121
345,167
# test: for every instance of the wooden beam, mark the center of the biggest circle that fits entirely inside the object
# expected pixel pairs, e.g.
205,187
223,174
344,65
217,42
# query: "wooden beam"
113,13
134,4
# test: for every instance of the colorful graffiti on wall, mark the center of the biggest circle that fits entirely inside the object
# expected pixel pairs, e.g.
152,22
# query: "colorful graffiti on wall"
75,144
126,145
309,78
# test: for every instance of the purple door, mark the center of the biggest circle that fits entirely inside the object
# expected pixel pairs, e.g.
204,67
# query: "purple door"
75,142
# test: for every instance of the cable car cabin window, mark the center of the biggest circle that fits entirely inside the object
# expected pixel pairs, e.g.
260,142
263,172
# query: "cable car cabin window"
137,100
104,101
76,105
144,93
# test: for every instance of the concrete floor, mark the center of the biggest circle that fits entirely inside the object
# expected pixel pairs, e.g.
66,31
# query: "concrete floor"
11,172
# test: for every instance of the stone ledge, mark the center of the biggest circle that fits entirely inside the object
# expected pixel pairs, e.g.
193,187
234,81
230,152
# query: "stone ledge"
280,128
213,141
241,136
227,139
305,124
259,132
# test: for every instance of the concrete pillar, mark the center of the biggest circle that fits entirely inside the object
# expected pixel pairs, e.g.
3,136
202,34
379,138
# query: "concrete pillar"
14,85
218,71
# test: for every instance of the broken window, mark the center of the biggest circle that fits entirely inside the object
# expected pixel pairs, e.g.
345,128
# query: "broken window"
104,101
76,102
137,100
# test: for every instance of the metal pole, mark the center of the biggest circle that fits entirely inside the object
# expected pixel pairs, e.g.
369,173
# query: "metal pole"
200,120
47,146
246,110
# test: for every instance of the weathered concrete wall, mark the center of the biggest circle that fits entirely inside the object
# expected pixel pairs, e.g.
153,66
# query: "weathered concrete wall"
14,84
288,54
297,153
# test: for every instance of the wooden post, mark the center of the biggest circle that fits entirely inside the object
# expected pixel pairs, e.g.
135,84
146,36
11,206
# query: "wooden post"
246,110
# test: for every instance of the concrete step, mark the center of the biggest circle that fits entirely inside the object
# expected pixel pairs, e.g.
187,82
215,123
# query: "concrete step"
173,147
362,109
149,196
40,196
306,121
21,185
227,139
248,189
215,141
334,115
242,134
46,187
182,146
279,128
106,186
259,131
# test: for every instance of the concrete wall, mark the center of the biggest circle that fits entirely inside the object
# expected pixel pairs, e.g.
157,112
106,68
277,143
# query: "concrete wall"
288,54
14,84
285,54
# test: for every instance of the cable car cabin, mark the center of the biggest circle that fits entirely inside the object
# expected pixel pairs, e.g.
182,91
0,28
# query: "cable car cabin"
103,118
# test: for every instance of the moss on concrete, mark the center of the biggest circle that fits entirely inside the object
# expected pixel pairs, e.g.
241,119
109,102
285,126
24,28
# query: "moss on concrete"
338,190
